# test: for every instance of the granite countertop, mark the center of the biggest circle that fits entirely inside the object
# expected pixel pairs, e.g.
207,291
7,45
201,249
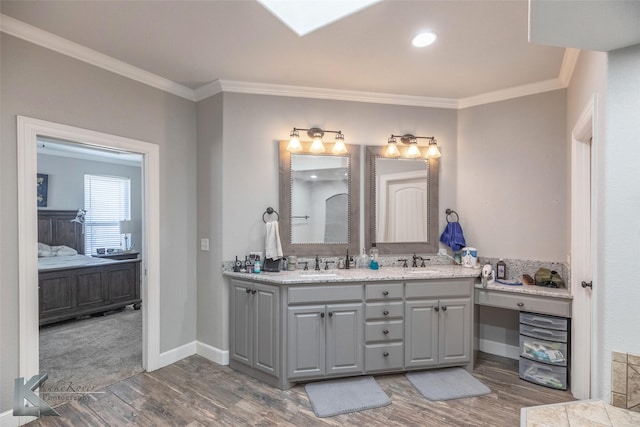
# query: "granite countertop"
360,274
528,289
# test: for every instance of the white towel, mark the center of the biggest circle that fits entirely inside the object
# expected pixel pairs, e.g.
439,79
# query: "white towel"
272,245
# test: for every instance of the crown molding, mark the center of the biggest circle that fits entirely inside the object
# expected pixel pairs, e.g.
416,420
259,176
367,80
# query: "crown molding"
510,93
569,62
61,45
207,90
336,94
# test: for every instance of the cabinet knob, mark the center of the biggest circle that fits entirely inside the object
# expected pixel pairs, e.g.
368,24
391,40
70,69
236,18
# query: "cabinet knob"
385,354
386,312
386,332
322,315
253,292
444,308
331,314
385,293
248,290
520,304
436,308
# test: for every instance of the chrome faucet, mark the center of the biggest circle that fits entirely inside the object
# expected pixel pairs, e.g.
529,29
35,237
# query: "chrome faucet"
317,264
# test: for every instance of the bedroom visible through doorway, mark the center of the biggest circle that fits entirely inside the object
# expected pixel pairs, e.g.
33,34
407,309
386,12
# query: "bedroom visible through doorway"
90,318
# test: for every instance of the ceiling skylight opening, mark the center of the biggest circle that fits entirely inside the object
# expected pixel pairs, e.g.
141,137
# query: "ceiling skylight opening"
424,39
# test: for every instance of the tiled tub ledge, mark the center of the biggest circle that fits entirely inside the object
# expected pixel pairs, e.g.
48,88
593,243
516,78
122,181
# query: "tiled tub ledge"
578,413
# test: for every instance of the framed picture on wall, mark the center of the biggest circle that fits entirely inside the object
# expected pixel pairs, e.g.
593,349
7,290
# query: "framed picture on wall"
42,181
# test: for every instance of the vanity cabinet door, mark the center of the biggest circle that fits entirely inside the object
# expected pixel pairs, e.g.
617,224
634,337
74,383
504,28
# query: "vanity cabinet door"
254,326
266,338
421,333
344,338
306,341
241,326
455,330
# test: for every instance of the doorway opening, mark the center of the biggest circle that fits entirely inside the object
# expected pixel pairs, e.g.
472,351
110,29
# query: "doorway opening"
583,243
29,130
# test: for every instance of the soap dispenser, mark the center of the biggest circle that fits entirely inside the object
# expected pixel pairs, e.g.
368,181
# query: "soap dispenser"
363,260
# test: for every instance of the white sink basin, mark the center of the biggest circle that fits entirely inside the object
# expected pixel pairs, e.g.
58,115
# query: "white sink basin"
312,275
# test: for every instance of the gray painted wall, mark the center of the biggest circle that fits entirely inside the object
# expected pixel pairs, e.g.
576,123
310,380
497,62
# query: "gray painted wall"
512,177
66,185
40,83
619,213
212,294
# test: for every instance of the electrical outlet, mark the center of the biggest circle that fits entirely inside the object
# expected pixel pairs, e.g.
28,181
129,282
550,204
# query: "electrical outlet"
204,244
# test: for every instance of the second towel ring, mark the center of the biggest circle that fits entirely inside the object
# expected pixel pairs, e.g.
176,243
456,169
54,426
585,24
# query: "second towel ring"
270,211
452,212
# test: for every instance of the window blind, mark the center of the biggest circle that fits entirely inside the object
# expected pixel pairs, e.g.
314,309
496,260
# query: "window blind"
107,201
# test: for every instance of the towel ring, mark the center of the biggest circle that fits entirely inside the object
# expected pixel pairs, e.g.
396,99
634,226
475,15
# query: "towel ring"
452,212
270,211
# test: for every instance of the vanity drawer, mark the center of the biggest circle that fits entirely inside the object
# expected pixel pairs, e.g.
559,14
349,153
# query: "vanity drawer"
384,310
553,353
383,357
549,322
384,331
324,294
542,333
439,288
383,291
534,303
546,375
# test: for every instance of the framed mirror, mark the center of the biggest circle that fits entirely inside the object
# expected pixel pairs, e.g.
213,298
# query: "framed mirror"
319,201
401,204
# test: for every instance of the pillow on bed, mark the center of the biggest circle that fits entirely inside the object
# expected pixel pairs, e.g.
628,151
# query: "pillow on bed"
49,251
63,250
44,250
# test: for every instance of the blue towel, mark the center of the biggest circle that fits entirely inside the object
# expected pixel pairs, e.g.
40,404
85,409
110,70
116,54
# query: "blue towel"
453,237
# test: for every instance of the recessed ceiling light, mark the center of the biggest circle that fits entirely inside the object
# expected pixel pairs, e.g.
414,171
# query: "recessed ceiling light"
424,39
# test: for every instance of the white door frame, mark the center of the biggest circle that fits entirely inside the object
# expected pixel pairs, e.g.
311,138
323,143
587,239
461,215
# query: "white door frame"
583,243
28,130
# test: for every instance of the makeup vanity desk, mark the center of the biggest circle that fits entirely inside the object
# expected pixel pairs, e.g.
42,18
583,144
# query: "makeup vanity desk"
534,299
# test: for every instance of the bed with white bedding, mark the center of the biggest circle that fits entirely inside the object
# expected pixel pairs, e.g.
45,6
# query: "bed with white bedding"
73,285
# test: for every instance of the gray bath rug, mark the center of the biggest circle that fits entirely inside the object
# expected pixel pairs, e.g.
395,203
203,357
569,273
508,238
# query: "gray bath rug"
335,397
447,384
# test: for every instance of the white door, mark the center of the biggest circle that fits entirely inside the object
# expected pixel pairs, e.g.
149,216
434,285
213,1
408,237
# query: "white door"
583,234
404,198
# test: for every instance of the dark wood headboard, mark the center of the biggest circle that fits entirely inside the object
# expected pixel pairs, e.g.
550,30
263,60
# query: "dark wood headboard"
55,228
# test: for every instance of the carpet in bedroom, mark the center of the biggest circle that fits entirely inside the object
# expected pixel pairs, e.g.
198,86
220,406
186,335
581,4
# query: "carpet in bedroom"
93,352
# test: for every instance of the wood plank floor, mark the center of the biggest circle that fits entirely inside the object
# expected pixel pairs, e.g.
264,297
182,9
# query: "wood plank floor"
196,392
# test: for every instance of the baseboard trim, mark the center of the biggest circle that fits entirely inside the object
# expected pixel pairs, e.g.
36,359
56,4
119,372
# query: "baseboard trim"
221,357
175,354
499,349
8,420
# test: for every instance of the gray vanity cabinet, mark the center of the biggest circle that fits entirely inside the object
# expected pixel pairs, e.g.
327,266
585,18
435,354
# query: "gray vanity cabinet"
255,336
324,339
438,328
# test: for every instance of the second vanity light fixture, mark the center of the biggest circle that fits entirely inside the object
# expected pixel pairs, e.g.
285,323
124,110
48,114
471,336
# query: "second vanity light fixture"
317,146
413,151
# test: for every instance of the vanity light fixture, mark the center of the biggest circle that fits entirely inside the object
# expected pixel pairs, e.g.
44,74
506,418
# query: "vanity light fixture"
317,146
413,151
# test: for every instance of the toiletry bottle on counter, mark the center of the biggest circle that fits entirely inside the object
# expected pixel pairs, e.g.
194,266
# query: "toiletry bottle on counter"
363,260
256,267
501,270
373,252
